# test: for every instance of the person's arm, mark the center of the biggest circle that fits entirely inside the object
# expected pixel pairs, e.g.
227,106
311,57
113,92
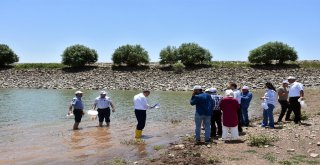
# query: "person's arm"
112,106
194,100
94,106
145,103
302,95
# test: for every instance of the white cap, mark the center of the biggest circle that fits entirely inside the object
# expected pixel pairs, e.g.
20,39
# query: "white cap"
213,90
197,87
229,93
103,93
291,78
245,87
285,82
78,92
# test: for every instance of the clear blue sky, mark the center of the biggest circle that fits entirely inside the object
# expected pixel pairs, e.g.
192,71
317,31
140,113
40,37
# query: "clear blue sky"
39,30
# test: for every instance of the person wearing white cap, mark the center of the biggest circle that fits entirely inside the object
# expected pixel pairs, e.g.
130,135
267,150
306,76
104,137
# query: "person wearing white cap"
246,97
77,106
203,103
230,107
103,104
295,94
216,113
283,100
140,107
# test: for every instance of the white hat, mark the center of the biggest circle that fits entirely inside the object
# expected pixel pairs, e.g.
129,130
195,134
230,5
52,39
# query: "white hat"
291,78
197,87
285,82
245,87
213,90
229,93
78,92
103,93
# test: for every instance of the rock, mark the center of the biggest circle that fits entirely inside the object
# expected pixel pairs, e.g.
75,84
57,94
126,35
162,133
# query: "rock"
266,146
179,147
318,143
290,150
310,150
135,163
171,155
314,155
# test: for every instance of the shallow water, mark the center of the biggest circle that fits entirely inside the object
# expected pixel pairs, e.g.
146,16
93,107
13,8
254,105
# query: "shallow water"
34,128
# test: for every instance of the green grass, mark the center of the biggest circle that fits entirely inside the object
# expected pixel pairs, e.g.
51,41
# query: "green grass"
309,64
318,113
304,116
297,159
261,140
158,147
230,64
39,65
214,160
270,157
250,151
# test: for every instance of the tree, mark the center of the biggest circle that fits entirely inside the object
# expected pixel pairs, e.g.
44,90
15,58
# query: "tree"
191,54
273,51
169,55
132,55
79,55
7,56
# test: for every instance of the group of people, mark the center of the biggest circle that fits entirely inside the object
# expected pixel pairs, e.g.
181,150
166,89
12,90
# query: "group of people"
218,114
232,108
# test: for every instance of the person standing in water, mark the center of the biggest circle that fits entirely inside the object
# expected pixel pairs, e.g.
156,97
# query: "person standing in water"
77,107
103,104
140,107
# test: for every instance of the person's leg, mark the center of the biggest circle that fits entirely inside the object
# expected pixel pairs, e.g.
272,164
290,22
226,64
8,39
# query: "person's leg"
245,116
290,110
198,122
270,115
283,109
207,121
224,132
234,133
77,119
297,118
107,116
140,115
100,116
265,118
213,124
239,120
219,123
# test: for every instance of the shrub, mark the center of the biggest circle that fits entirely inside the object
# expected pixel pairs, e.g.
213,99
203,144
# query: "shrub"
7,56
191,54
277,51
79,55
169,55
304,116
260,140
132,55
178,67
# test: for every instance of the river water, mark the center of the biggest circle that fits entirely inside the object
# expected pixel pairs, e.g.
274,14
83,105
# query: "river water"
34,128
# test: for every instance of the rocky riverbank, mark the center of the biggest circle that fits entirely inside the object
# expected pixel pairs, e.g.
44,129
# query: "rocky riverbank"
153,77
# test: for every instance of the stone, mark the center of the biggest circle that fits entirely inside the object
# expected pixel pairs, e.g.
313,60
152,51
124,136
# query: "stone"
290,150
314,155
179,147
318,143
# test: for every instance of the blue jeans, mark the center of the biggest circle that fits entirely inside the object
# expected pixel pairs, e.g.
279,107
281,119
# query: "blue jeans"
207,122
268,114
245,116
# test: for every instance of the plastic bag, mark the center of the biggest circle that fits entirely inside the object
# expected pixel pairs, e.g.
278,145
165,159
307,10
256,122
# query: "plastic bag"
264,105
303,104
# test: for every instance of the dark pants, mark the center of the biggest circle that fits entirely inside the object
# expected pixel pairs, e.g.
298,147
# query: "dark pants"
141,116
284,107
216,118
239,120
104,114
77,115
296,108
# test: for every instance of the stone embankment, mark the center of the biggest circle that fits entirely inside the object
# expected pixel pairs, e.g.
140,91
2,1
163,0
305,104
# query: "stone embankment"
153,78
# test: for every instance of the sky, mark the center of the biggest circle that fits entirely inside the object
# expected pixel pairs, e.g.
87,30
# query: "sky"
39,30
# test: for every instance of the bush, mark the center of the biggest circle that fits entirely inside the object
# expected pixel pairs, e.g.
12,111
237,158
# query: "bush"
191,54
7,56
304,116
277,51
79,55
260,140
132,55
178,67
169,55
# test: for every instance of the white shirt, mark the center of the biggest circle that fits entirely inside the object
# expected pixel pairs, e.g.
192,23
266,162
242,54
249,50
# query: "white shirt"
295,88
271,97
140,102
237,95
102,103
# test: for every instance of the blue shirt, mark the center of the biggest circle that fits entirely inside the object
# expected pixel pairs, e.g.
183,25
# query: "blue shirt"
203,102
77,103
246,99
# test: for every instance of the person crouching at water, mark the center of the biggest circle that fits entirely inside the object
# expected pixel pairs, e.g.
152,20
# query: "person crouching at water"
140,106
103,104
77,106
270,99
203,102
230,107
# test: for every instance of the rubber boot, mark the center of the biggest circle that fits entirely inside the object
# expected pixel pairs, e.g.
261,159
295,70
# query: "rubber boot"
100,124
138,133
75,126
108,124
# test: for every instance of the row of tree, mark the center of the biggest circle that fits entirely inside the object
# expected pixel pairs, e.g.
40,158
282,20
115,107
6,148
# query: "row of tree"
188,54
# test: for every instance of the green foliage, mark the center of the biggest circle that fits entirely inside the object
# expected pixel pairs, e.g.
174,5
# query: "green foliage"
158,147
7,56
178,67
79,55
229,64
169,55
260,140
270,157
39,65
191,54
304,116
132,55
272,51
